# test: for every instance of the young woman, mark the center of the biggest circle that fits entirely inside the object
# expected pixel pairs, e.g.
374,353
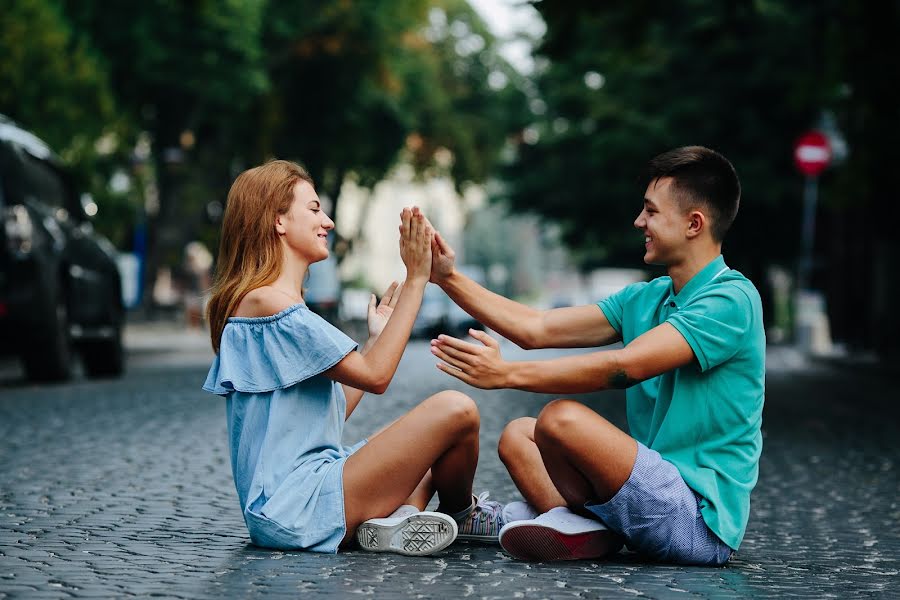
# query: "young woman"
291,379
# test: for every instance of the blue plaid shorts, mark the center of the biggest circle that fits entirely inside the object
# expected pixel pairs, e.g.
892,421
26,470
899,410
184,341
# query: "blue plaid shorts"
659,515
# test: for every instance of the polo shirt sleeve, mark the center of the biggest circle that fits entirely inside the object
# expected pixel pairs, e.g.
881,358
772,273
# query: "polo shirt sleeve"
614,306
715,325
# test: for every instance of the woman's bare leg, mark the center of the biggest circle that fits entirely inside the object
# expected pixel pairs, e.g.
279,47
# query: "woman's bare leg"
440,434
423,493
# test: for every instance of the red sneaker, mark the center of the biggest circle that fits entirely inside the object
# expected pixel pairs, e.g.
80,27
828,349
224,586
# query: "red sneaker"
559,534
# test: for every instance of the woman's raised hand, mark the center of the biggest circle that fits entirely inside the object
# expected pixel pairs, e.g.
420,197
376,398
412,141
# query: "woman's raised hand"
378,315
416,236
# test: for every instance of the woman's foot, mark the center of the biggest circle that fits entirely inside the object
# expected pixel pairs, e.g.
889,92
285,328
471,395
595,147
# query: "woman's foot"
408,531
484,521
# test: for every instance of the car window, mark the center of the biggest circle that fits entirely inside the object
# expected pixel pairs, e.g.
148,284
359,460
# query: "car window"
43,183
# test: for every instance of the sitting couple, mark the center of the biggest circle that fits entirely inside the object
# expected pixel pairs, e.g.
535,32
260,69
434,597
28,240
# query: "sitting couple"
676,489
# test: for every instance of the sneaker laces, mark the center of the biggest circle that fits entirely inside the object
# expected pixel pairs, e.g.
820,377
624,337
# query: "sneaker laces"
486,517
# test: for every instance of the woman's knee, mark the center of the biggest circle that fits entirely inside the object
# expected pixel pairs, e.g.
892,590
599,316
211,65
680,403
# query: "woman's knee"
456,408
516,435
556,419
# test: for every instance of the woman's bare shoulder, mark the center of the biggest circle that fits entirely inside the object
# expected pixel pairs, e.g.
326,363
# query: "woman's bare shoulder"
263,302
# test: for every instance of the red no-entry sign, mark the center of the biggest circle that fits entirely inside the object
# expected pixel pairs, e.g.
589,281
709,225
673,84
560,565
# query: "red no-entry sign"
812,153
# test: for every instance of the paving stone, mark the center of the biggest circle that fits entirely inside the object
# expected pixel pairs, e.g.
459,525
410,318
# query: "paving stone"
122,488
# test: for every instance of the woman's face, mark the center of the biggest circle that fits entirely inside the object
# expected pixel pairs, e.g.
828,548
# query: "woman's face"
305,226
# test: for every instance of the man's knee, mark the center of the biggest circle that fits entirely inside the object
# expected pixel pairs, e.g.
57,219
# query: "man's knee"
556,420
515,437
456,408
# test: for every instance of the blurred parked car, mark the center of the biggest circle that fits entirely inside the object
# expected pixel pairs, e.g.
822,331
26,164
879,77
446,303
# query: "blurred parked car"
432,317
59,285
439,314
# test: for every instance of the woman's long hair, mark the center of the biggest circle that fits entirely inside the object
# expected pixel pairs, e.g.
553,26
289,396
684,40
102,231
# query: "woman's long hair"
249,249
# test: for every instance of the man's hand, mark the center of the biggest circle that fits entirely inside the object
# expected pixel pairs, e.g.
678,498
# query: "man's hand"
479,366
443,259
378,316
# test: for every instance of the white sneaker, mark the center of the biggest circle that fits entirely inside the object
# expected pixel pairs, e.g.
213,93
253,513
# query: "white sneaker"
409,532
559,534
519,511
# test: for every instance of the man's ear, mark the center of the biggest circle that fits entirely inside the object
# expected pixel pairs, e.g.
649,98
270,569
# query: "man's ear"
696,223
279,225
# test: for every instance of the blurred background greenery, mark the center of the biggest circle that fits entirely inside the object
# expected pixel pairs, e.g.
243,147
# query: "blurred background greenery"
157,105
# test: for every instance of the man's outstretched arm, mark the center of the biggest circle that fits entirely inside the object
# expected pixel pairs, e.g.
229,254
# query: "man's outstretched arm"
657,351
574,327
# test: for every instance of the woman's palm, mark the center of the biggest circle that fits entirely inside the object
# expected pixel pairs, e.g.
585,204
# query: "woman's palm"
378,316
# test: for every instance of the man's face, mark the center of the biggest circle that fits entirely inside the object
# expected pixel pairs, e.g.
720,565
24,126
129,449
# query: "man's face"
663,223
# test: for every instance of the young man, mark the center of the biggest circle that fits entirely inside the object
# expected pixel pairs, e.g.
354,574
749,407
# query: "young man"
678,487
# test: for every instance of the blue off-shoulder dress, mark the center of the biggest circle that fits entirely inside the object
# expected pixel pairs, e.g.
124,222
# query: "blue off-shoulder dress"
285,421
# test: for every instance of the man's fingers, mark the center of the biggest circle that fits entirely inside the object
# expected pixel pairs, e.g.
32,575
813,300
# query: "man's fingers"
372,304
447,358
442,243
444,351
459,344
454,372
484,338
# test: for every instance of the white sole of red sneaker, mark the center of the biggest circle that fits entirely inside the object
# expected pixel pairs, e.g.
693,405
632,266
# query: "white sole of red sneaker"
419,534
540,543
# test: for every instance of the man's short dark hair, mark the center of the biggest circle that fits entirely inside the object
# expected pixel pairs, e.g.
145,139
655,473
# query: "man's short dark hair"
700,177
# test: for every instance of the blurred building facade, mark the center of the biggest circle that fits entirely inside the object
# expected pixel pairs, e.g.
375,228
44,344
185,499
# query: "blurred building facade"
521,256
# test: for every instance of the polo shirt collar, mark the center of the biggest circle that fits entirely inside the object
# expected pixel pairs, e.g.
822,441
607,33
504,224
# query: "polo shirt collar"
714,269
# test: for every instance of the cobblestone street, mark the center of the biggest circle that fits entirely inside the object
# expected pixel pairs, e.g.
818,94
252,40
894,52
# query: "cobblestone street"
117,488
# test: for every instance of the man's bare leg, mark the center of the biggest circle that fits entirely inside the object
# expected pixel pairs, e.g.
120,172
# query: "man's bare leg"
522,458
586,457
567,456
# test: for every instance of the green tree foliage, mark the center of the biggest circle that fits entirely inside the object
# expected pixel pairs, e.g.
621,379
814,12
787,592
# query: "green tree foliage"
623,82
185,72
50,80
347,88
626,82
463,96
355,84
335,103
857,253
54,82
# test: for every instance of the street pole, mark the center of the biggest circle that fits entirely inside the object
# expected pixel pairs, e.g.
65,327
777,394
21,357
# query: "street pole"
812,154
810,198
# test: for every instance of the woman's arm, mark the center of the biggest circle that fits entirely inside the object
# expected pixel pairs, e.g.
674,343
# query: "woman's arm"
376,319
373,371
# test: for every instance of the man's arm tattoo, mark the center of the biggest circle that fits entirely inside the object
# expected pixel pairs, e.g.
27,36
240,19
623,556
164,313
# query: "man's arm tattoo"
620,380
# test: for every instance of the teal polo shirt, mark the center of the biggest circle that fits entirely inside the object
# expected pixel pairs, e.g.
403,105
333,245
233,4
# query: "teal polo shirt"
705,417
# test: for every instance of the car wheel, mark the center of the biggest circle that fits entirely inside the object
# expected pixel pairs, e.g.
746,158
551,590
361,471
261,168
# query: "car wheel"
106,357
49,356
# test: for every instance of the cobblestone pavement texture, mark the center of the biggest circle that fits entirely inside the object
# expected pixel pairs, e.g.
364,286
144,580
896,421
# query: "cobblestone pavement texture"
122,488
